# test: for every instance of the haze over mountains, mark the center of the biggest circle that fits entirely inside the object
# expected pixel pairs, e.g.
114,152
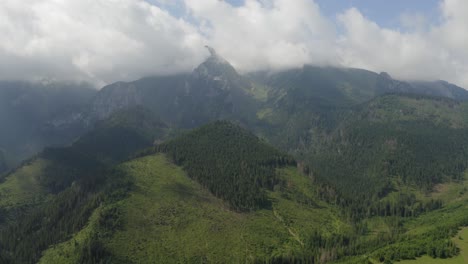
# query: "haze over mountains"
313,165
27,110
38,115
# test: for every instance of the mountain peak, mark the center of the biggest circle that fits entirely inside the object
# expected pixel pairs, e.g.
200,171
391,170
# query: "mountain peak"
215,58
211,50
216,67
385,75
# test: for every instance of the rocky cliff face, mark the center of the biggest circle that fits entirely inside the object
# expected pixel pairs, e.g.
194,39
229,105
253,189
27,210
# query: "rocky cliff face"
219,70
212,91
113,98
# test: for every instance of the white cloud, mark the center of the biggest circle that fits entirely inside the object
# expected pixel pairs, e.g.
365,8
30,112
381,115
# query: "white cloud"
109,40
266,34
414,21
436,52
405,55
97,40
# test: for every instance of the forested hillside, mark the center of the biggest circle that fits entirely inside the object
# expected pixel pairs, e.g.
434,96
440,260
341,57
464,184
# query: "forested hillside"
68,191
233,165
45,201
299,222
51,196
193,226
376,146
316,165
231,162
419,140
233,194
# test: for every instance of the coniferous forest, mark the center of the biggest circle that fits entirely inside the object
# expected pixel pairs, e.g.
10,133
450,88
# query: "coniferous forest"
309,165
232,163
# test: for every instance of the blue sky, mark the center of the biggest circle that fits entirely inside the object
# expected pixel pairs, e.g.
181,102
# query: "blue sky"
386,13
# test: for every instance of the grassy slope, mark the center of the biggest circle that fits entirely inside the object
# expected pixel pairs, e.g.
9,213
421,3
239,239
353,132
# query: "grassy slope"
170,218
454,195
461,240
69,251
413,108
455,198
22,188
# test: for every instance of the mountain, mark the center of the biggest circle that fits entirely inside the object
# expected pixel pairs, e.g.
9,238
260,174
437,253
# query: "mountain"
308,165
37,115
3,162
306,108
338,87
191,211
320,85
45,201
217,69
157,198
26,110
134,128
215,189
383,154
54,170
441,89
51,196
241,165
382,146
416,139
214,90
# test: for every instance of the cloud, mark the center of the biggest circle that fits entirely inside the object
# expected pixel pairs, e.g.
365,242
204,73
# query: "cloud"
97,40
414,21
266,34
406,55
276,34
436,51
103,41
